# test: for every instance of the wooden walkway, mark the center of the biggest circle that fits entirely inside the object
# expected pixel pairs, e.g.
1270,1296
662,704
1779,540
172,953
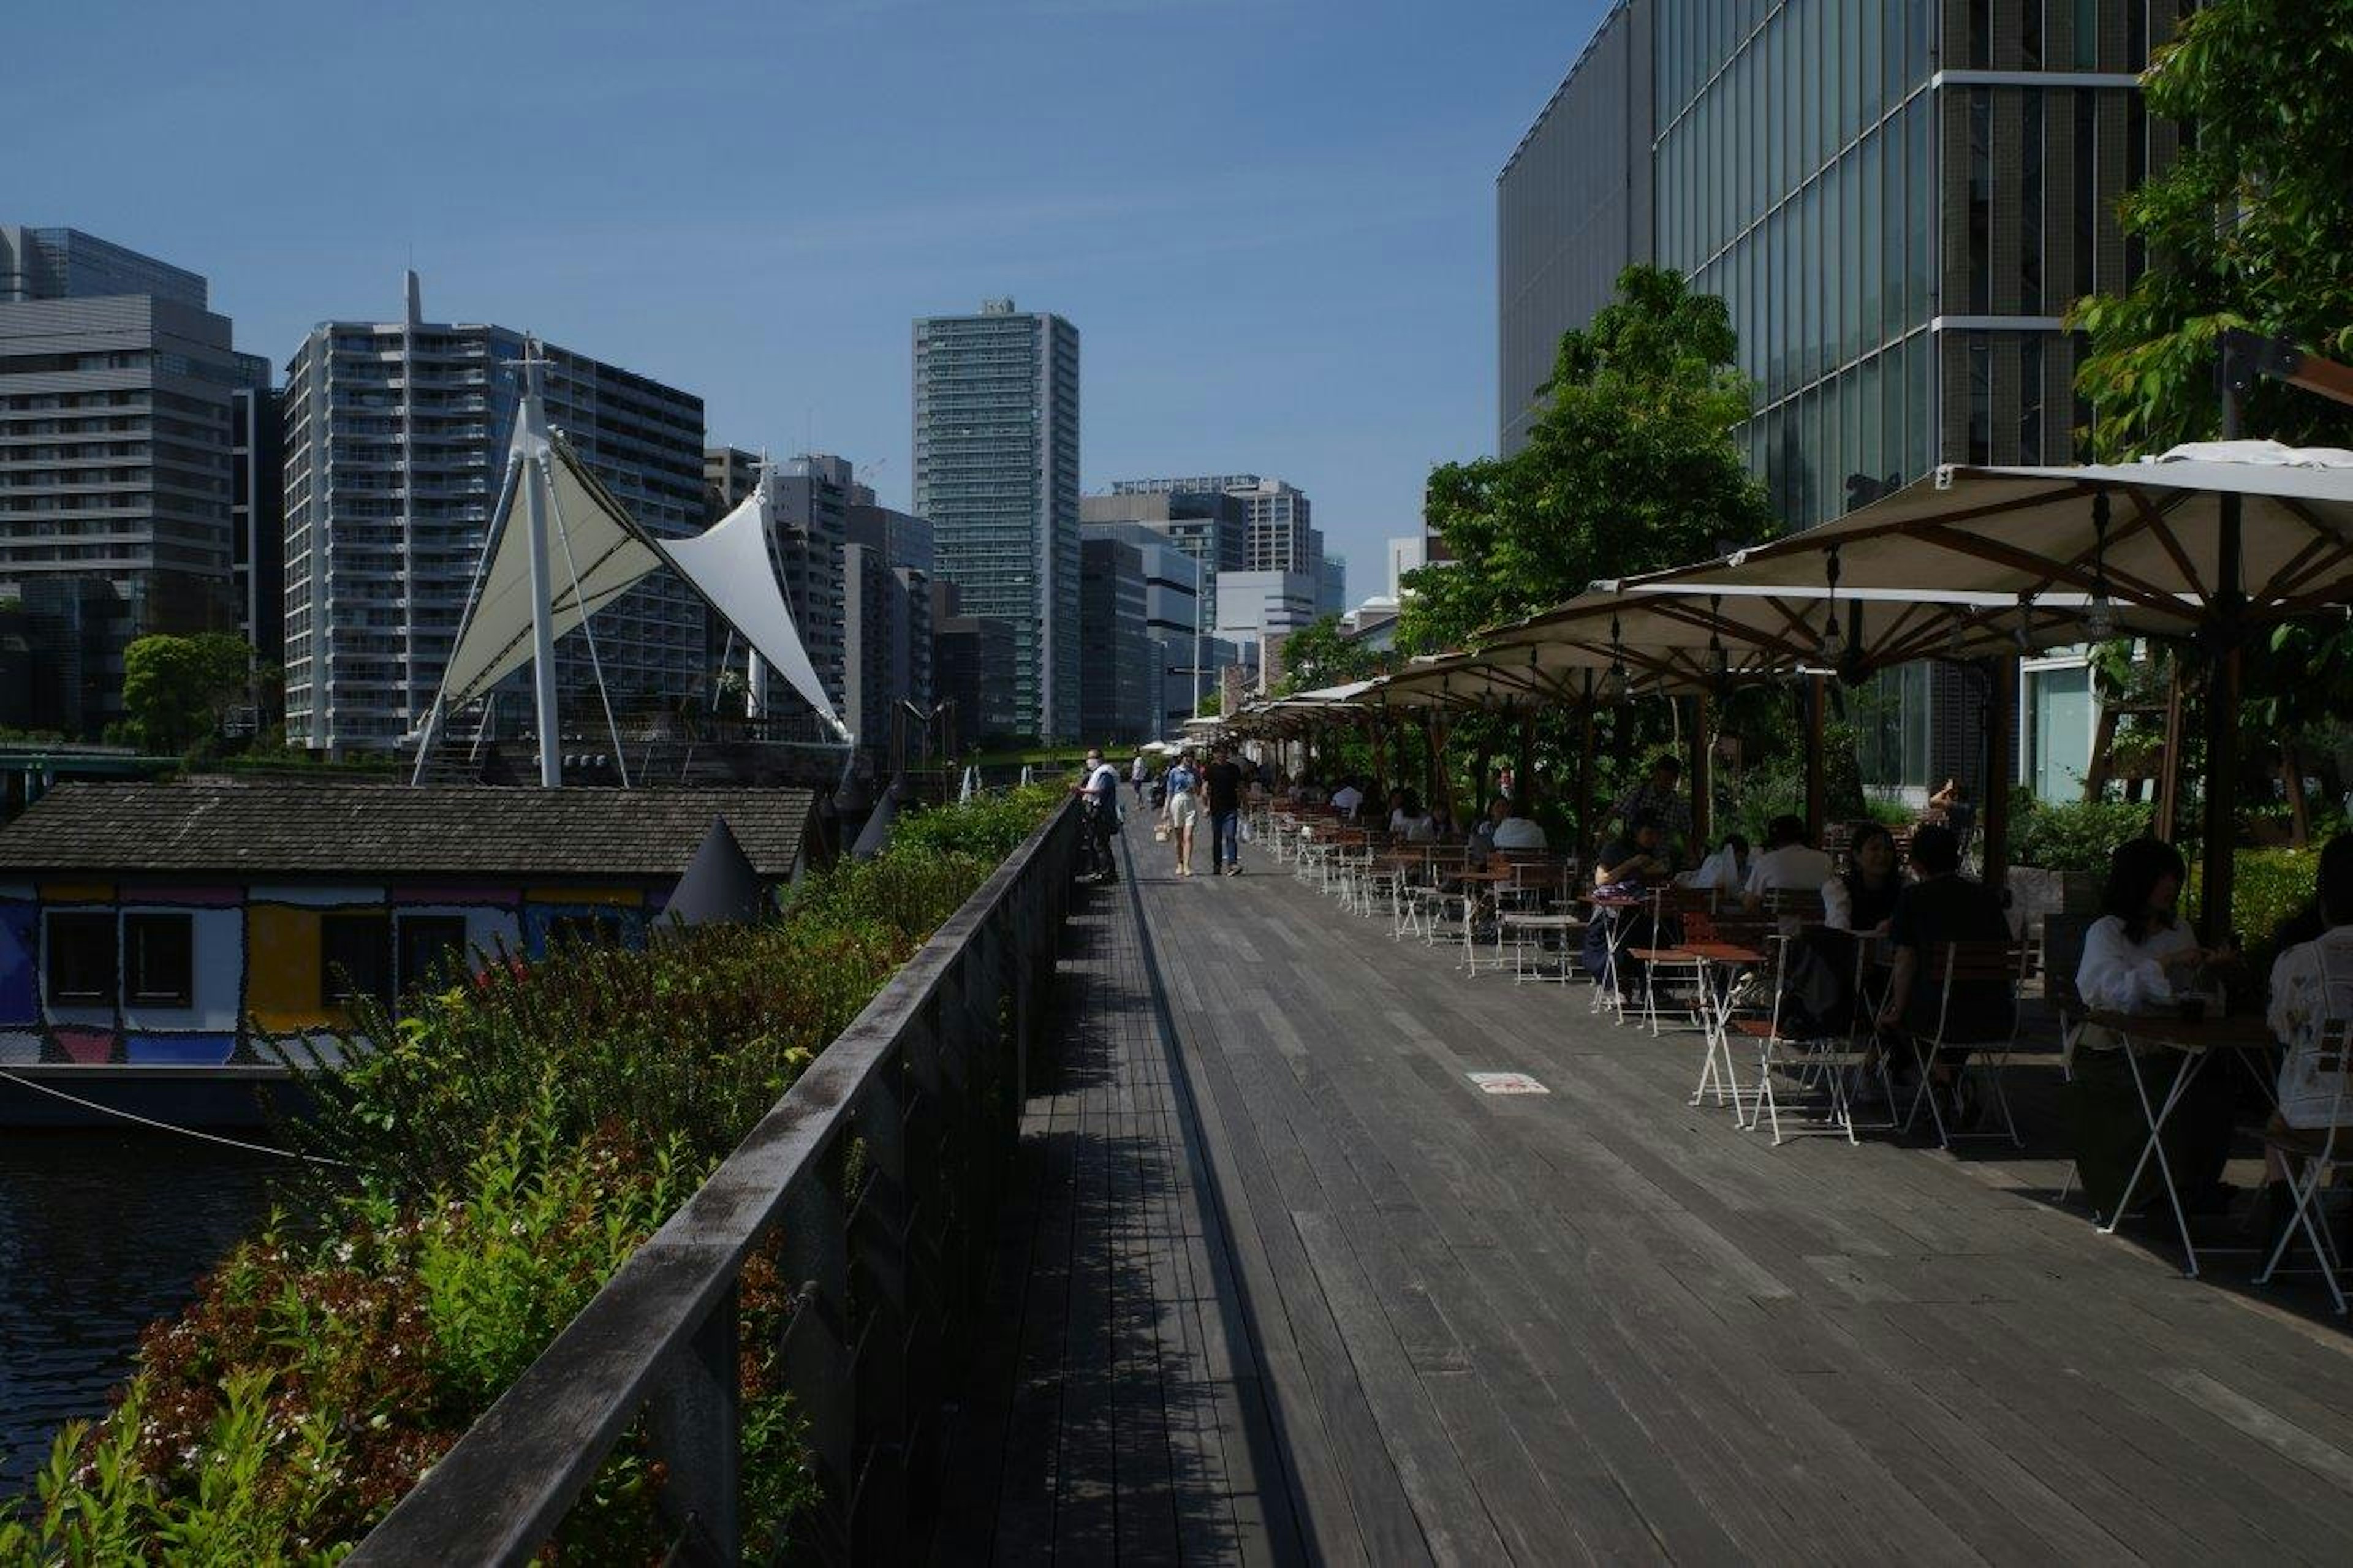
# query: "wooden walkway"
1282,1285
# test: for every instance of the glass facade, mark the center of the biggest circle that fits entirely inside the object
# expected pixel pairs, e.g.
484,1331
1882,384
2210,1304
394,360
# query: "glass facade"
1794,178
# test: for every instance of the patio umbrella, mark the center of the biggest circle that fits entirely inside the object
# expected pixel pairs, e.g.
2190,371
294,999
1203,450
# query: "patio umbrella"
2205,543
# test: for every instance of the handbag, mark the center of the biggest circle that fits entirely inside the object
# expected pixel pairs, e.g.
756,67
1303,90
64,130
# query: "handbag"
1160,833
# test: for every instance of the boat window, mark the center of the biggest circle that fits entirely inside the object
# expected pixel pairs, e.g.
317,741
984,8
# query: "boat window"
81,959
430,945
159,960
355,959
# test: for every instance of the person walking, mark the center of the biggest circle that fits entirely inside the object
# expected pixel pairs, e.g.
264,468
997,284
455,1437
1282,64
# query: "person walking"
1184,809
1138,775
1222,782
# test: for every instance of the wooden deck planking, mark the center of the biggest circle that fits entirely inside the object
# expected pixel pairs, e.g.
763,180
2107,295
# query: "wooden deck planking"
1295,1288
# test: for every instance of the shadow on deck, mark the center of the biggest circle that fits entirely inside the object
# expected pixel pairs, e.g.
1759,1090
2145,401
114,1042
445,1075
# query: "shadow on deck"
1278,1283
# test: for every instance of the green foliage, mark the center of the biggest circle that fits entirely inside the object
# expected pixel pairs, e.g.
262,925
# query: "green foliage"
1630,467
2250,227
2078,836
2268,886
175,690
515,1138
1320,654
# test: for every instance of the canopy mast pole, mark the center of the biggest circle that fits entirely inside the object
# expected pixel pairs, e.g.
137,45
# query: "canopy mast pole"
2224,630
536,481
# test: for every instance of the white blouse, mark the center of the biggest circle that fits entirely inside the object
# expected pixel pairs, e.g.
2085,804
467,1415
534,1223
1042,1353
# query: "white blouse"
2121,976
2311,983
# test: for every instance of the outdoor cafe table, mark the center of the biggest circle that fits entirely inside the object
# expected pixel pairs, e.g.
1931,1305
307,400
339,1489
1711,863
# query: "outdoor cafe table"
2196,1040
1611,909
1720,965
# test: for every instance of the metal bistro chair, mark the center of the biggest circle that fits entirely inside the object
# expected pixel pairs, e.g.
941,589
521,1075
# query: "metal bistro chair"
1820,1065
1670,962
2318,1149
1997,967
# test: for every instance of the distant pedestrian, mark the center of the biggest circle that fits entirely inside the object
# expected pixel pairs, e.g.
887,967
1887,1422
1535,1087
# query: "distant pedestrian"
1138,773
1100,786
1222,781
1184,809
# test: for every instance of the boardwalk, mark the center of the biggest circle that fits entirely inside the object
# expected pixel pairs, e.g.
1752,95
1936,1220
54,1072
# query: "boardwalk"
1284,1286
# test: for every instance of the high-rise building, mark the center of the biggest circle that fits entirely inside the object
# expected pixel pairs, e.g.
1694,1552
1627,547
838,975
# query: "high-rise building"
814,494
1277,516
996,470
397,435
886,619
117,383
1331,584
1210,526
1116,652
1177,609
1898,204
1253,604
1409,553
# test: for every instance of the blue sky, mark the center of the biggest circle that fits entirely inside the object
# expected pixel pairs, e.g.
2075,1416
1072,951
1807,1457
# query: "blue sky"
1271,220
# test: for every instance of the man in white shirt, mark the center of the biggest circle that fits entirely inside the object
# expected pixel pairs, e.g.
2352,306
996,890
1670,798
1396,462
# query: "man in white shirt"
1100,785
1517,832
1787,862
1347,799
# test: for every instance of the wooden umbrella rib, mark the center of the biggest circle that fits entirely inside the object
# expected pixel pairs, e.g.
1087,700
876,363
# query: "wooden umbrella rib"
2017,560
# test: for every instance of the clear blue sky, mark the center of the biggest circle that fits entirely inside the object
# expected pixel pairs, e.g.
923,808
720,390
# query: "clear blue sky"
1271,220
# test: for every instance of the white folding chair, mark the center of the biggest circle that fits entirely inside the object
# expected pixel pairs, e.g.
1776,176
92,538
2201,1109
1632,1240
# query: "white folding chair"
1971,969
2318,1151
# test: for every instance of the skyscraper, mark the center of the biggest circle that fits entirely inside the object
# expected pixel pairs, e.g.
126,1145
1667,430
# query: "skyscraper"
396,437
996,470
116,479
886,619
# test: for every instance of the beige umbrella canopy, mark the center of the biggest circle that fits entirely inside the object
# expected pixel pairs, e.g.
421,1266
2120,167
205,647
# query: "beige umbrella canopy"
2205,543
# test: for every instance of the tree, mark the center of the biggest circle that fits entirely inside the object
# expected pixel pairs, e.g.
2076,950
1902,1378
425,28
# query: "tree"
177,689
2250,227
1630,467
1321,654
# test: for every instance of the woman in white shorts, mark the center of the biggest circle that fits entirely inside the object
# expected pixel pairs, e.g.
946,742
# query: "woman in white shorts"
1184,783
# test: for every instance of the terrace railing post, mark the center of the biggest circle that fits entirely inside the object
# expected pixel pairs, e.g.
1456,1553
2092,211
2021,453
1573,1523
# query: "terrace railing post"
879,1230
816,1340
694,1426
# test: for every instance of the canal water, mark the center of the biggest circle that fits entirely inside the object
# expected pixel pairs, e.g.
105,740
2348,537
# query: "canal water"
101,1233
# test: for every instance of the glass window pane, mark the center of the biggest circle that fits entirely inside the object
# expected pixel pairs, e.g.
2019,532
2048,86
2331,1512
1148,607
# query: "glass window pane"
1867,59
1920,186
1850,251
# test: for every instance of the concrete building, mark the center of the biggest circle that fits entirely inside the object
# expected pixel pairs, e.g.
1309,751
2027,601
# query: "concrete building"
996,470
1256,605
257,512
117,387
1410,553
1898,204
1331,584
396,437
814,494
1177,611
1115,653
886,619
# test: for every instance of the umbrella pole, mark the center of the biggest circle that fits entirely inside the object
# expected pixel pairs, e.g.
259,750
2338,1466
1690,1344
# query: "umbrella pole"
1585,834
1702,785
2222,814
1815,811
2002,727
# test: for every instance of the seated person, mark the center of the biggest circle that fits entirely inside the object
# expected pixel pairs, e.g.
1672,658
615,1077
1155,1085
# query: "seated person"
1515,831
1404,812
1861,898
1658,796
1347,798
1787,862
1633,860
1857,903
2312,983
1726,871
1940,908
1951,803
2139,958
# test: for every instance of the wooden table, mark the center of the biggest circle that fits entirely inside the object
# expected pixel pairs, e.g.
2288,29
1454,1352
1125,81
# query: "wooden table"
2196,1040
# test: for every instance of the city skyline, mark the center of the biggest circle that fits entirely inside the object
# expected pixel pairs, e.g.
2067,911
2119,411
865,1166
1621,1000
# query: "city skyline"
1333,327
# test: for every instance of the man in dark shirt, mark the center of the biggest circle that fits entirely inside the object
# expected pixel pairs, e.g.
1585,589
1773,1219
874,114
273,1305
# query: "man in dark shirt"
1943,907
1223,779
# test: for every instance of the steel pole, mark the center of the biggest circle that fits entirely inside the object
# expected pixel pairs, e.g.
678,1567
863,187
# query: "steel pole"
535,480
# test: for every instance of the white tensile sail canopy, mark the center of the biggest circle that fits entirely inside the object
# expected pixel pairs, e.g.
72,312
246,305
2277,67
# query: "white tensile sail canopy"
597,553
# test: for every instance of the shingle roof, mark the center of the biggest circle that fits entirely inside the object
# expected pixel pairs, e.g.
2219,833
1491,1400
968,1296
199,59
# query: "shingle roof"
297,828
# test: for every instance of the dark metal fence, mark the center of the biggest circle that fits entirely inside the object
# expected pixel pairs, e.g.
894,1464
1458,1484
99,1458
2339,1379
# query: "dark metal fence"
879,1172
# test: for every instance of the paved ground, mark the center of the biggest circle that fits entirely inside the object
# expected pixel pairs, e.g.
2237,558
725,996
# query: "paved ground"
1282,1284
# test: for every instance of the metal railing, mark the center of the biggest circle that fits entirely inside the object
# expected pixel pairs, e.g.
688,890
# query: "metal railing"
879,1175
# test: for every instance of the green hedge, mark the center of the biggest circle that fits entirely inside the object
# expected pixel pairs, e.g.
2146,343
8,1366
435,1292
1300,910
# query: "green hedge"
516,1136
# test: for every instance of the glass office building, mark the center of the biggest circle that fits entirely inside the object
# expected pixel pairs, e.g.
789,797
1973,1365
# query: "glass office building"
996,470
1898,200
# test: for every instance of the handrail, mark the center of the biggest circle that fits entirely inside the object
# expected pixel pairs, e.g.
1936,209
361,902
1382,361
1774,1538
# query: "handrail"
928,1064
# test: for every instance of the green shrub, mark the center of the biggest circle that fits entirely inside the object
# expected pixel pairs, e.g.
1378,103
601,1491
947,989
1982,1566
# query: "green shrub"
2268,887
517,1136
2078,836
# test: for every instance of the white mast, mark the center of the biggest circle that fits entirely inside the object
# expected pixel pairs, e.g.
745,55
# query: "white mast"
536,482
